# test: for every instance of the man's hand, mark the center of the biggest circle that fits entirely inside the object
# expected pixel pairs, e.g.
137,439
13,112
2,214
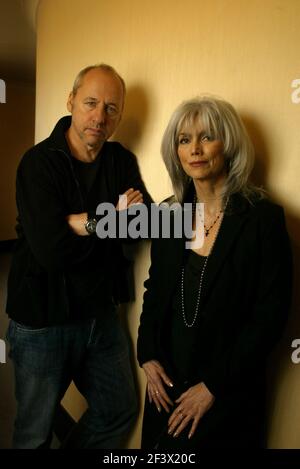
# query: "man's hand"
156,377
76,223
192,405
130,197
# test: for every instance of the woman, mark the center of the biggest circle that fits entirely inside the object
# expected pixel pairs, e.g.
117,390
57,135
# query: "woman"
212,314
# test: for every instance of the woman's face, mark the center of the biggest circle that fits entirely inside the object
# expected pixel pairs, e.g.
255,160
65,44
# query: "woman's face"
200,155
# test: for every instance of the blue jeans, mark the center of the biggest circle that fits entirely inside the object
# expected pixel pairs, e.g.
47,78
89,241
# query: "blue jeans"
92,353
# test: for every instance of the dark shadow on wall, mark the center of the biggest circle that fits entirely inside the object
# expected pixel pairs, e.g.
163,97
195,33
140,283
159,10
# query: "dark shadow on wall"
130,134
133,252
135,117
280,360
280,357
262,154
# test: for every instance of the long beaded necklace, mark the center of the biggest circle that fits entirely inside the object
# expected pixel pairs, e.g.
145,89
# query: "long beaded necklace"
202,273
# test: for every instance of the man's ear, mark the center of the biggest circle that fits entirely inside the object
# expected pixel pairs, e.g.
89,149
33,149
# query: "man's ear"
70,102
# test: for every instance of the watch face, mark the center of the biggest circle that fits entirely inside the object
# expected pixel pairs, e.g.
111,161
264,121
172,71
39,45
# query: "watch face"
91,225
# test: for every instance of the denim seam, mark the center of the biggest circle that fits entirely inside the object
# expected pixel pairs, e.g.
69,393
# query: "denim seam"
92,332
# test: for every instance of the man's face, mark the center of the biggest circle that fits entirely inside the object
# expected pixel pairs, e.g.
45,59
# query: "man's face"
96,109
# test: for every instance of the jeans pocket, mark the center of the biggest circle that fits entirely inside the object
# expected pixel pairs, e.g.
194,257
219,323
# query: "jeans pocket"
9,331
35,350
28,329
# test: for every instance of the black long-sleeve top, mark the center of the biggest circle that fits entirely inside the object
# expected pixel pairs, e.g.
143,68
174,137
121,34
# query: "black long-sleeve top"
49,259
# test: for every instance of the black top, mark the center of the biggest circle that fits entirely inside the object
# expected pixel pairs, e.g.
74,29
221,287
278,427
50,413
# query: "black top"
183,338
245,297
245,300
55,274
86,174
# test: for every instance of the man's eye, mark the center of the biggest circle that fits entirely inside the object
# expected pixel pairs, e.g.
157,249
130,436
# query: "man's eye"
90,103
111,110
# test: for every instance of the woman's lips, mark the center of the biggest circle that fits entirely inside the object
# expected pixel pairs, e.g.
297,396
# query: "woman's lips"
197,164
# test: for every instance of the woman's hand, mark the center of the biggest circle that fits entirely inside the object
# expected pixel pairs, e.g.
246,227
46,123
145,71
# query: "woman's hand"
192,405
156,377
130,197
76,222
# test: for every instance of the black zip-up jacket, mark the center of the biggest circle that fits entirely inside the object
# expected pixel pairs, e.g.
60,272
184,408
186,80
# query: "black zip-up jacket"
48,254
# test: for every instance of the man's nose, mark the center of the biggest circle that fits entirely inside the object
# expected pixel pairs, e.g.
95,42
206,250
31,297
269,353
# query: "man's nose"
100,114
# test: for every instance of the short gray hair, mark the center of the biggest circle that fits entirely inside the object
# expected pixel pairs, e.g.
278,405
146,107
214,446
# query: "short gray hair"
221,120
101,66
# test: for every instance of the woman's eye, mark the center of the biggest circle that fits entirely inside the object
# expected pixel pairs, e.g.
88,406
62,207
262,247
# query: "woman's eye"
183,140
206,138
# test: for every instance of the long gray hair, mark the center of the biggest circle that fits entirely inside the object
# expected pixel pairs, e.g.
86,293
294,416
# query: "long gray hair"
222,122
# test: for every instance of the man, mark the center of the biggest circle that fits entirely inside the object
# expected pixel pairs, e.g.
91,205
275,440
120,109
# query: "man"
65,282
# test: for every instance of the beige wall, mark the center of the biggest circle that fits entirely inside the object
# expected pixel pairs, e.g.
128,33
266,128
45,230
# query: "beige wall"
16,136
167,51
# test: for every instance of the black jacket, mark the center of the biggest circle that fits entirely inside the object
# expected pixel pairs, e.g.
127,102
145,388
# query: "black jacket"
245,297
47,252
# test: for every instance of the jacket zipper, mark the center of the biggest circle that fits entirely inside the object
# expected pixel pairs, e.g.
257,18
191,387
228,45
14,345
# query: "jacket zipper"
74,176
82,208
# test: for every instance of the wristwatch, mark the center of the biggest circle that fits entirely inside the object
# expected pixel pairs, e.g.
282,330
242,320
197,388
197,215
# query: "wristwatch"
90,225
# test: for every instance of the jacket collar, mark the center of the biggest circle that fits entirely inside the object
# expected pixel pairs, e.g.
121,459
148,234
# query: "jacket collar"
57,137
236,214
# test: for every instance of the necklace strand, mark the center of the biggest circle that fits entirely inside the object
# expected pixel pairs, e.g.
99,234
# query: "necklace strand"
198,296
207,230
186,323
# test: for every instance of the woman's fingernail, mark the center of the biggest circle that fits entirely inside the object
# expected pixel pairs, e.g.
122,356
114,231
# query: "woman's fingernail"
170,384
